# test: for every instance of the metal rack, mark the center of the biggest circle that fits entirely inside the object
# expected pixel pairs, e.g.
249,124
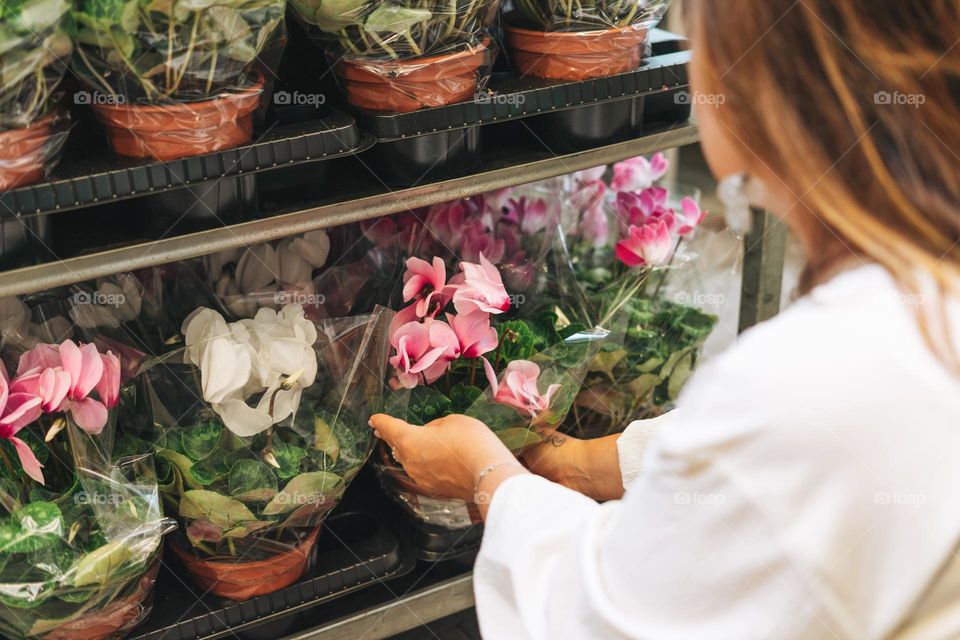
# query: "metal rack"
432,591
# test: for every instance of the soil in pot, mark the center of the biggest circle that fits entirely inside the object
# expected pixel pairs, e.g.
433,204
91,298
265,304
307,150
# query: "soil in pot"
575,55
408,85
25,154
171,131
236,579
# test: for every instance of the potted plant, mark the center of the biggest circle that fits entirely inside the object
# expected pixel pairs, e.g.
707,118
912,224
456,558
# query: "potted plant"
577,41
80,530
619,250
404,55
261,426
34,49
452,353
174,78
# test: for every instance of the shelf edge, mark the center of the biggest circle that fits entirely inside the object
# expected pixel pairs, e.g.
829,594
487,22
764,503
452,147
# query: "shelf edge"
88,267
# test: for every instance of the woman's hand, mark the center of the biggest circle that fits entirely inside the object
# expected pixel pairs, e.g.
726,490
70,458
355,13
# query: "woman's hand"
447,456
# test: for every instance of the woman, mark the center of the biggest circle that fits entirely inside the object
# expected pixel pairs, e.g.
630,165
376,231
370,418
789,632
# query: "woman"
807,485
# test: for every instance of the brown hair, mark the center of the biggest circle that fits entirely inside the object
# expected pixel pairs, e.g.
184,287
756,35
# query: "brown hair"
855,106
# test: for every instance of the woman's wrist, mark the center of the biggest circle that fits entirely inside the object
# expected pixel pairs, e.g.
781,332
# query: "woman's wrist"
489,480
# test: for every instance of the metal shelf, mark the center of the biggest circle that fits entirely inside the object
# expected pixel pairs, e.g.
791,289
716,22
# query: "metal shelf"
507,168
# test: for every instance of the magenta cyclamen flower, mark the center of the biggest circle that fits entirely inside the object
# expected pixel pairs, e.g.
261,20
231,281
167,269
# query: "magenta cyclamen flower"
532,215
639,173
638,208
424,351
427,283
446,223
480,288
474,332
648,245
520,387
45,370
594,224
17,410
690,217
479,239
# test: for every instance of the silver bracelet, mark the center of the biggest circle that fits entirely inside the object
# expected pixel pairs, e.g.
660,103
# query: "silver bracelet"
488,470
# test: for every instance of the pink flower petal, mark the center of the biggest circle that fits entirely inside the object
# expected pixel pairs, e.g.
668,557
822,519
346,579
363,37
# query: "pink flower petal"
90,374
28,459
89,414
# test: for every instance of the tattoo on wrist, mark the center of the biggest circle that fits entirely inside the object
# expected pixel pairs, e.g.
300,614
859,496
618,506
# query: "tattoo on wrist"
558,441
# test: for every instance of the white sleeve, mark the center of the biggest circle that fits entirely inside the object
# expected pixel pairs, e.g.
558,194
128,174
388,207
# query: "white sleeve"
633,443
759,513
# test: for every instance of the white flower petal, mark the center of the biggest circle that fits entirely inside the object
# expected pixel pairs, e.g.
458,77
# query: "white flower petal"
242,419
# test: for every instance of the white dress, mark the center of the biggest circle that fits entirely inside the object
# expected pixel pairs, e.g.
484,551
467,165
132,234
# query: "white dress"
809,487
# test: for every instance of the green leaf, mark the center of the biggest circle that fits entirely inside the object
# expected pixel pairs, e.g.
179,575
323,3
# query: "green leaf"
39,15
252,481
200,440
426,405
519,438
517,341
462,397
26,594
35,526
288,456
679,376
393,19
98,566
222,511
324,440
333,15
208,471
649,365
305,489
183,465
643,385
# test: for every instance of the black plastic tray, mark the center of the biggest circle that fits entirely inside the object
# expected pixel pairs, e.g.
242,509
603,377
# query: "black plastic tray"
509,98
355,549
436,544
82,180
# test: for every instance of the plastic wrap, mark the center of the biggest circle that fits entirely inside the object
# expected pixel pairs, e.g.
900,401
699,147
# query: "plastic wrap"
34,49
454,352
579,41
261,425
622,242
272,274
402,56
173,79
80,536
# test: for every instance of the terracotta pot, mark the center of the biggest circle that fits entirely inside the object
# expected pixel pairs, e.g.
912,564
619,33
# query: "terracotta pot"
239,580
171,131
409,85
115,620
406,484
23,153
576,55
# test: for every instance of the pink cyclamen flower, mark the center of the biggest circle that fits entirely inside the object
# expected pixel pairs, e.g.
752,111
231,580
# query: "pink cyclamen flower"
594,224
17,410
586,176
690,217
635,208
520,387
639,173
474,332
479,239
87,369
446,222
427,283
480,288
424,351
532,215
648,245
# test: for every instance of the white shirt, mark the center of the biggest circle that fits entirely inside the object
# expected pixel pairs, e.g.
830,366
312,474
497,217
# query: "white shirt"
809,487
